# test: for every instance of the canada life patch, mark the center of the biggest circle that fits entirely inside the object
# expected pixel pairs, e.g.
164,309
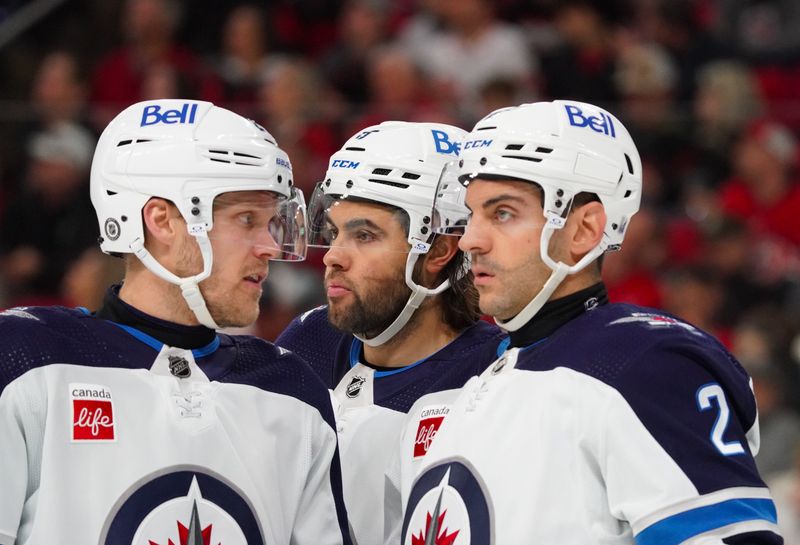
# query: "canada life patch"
92,413
430,420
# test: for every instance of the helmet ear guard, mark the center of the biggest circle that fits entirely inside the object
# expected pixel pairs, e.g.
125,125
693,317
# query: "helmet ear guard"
566,148
187,152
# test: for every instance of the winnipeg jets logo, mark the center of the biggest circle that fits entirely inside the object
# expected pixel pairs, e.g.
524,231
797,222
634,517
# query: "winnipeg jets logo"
184,507
354,388
189,520
433,523
440,516
656,321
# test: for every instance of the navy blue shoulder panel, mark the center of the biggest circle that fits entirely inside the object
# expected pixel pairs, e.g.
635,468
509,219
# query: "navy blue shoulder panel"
266,366
314,339
675,377
32,337
450,368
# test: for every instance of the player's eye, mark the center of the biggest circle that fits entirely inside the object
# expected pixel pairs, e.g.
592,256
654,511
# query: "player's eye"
364,236
503,215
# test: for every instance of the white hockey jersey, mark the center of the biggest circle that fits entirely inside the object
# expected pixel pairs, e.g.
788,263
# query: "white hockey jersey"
109,437
372,403
624,426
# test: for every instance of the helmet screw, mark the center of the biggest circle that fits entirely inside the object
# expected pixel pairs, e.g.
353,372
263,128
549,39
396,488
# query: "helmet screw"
195,200
614,226
426,220
482,161
290,183
124,218
195,211
560,193
328,182
349,184
424,230
558,203
461,163
100,240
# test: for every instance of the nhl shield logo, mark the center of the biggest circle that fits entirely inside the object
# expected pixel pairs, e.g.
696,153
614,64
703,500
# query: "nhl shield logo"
179,367
354,388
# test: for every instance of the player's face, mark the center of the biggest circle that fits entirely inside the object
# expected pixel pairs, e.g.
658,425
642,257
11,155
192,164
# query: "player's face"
503,237
365,267
241,246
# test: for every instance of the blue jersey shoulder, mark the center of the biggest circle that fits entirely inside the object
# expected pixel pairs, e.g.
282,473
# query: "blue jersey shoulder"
449,368
322,346
676,378
32,337
277,369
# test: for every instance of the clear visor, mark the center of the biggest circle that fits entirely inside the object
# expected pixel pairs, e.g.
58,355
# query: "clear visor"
274,223
337,221
450,212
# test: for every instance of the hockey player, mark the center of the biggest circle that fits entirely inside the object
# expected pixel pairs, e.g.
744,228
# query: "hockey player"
140,423
401,318
600,423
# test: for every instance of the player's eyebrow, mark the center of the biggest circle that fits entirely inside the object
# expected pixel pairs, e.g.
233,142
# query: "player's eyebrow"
357,223
500,198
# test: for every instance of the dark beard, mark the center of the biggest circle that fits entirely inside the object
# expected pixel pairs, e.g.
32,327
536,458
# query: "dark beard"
371,315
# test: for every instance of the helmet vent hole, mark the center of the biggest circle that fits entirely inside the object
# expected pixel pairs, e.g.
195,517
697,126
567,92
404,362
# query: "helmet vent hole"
410,176
515,147
124,143
110,193
382,171
355,149
532,159
485,128
627,194
387,182
540,149
220,160
630,164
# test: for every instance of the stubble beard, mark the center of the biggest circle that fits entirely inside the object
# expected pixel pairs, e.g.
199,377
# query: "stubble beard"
223,308
370,314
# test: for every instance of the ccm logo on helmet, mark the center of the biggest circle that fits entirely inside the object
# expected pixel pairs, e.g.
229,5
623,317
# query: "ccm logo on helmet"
344,163
152,115
443,143
477,143
601,123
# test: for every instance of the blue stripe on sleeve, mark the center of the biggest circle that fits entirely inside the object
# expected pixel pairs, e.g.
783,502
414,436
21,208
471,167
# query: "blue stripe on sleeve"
678,528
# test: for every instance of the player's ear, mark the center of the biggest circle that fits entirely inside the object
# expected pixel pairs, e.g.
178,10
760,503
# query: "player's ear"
162,221
442,250
587,232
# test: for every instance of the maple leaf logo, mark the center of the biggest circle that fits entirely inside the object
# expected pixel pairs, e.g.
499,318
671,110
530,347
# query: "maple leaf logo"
442,538
192,534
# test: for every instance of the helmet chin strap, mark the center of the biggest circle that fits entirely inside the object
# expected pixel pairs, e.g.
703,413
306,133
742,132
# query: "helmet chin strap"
418,295
190,288
560,272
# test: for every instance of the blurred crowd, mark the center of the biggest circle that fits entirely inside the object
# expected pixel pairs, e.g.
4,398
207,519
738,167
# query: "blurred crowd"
710,90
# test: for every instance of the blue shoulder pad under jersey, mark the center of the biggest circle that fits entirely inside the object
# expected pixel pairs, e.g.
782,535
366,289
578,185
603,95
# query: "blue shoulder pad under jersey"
690,394
276,369
322,346
32,337
450,368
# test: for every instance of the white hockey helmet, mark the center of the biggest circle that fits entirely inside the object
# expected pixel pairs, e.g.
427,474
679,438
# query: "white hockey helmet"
188,152
564,147
395,163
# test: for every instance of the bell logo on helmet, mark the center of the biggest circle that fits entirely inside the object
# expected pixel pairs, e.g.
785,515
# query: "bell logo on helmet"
344,163
443,143
601,124
283,163
152,115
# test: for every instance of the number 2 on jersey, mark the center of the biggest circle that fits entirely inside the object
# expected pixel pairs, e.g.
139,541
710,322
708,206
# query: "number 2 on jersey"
704,396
